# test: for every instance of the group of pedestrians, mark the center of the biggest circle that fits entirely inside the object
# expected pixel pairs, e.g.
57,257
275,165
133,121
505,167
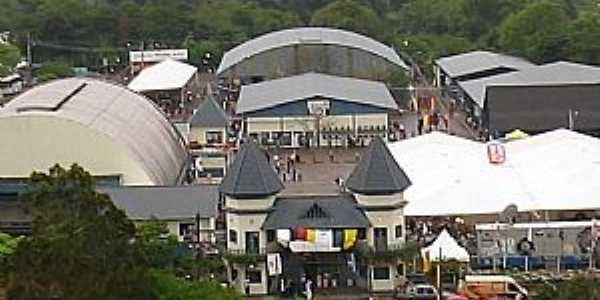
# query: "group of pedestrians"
286,167
432,122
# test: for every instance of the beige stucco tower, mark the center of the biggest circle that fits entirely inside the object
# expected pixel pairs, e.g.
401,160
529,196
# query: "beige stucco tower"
378,184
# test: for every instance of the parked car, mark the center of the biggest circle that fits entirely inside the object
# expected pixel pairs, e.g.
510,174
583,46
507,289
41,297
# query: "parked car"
418,292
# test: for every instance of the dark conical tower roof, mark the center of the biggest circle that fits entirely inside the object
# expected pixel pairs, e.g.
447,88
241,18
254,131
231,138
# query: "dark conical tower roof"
209,114
250,175
377,172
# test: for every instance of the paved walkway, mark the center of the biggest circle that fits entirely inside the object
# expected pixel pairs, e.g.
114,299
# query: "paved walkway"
318,173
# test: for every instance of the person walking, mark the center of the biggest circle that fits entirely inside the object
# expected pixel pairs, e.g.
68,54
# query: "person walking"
308,289
420,123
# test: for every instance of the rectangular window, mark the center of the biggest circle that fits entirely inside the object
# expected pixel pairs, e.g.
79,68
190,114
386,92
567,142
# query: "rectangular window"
254,276
270,235
252,242
233,236
204,223
214,137
212,173
381,273
186,230
381,238
399,231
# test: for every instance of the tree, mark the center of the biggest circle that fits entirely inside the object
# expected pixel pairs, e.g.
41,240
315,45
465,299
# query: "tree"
172,288
348,15
82,246
574,289
432,17
54,70
9,58
8,244
537,32
158,246
584,36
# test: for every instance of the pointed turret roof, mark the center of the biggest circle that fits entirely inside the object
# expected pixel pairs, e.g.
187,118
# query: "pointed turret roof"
250,175
209,114
377,172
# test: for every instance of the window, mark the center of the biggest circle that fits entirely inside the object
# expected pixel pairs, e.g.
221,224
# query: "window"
204,223
252,242
270,235
233,236
186,229
400,269
213,173
381,273
253,276
214,137
286,138
399,231
362,234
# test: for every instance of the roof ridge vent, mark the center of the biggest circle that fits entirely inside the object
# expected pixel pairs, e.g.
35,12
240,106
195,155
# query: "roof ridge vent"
316,212
58,104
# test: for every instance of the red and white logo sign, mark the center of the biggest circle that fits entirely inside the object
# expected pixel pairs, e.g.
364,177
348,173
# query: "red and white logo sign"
496,153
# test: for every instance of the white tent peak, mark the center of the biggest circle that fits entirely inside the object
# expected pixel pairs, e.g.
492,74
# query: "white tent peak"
450,249
168,74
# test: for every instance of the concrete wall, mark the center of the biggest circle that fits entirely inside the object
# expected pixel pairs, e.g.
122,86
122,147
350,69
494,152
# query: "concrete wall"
35,143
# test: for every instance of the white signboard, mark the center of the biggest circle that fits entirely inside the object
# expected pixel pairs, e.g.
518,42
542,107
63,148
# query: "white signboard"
157,55
303,246
318,107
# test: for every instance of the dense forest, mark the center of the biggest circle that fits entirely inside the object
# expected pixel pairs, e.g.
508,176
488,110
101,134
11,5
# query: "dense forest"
75,30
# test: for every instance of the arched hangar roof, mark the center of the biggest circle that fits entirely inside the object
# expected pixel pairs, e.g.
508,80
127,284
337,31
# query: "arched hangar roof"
307,35
128,119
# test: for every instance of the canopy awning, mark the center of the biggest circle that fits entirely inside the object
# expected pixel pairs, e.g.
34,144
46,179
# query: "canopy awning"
448,247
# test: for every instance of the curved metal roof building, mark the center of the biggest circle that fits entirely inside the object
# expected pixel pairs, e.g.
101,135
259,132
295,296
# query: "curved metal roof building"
105,128
307,36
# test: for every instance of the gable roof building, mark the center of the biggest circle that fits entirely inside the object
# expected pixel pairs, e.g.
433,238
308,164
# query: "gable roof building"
540,98
281,91
377,172
468,65
250,175
209,114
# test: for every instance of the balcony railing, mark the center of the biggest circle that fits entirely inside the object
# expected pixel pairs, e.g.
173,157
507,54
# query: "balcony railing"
249,251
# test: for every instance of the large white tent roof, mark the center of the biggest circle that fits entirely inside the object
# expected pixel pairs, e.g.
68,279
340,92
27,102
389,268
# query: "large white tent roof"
452,176
165,75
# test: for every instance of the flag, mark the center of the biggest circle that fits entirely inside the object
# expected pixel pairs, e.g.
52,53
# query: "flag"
274,264
349,238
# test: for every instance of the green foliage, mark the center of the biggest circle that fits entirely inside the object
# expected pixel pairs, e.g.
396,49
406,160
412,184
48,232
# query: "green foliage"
348,15
574,289
407,252
81,247
541,30
8,245
584,38
9,58
54,70
158,246
537,32
244,259
173,288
